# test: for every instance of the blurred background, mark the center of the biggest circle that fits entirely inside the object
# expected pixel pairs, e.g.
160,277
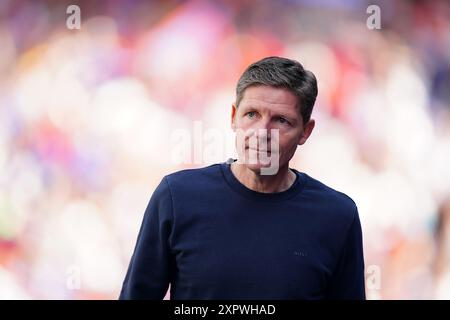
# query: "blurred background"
91,120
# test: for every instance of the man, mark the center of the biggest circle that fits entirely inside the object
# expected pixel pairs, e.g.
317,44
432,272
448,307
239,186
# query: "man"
252,228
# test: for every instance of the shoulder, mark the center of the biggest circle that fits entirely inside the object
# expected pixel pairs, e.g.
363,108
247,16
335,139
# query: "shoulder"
195,173
185,186
195,178
327,197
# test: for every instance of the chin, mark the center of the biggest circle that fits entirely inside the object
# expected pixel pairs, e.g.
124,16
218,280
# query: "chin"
255,167
258,165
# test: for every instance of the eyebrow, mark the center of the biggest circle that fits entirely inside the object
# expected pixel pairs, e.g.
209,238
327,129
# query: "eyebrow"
249,107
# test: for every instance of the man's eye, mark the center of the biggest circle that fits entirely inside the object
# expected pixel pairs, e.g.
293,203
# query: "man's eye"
251,114
283,120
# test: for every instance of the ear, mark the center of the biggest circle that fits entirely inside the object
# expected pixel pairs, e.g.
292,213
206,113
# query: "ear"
233,116
307,130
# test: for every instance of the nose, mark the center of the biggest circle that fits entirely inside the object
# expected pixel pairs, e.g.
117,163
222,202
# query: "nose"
264,124
260,132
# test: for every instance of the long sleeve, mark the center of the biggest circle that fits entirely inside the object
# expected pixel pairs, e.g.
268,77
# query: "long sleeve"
148,274
347,281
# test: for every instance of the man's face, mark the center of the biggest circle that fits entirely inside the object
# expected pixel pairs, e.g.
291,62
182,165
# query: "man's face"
269,108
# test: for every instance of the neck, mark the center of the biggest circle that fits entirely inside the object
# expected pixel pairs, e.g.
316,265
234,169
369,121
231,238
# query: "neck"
279,182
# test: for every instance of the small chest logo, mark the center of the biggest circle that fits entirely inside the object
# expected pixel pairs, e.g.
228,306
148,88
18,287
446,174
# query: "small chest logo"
300,253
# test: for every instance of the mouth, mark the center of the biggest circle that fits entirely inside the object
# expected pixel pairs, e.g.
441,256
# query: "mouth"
257,150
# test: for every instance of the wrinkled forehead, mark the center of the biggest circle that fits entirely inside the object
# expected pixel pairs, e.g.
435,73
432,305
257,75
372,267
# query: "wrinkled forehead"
270,100
269,94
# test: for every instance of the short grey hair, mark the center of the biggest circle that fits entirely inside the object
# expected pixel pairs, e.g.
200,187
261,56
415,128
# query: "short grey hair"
281,73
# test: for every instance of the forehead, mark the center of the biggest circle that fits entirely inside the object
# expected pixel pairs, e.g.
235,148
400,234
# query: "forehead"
277,99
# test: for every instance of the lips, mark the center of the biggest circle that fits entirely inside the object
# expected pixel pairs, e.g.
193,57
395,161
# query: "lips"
258,150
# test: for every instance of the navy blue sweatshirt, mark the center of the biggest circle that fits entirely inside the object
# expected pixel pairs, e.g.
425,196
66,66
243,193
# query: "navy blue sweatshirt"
211,237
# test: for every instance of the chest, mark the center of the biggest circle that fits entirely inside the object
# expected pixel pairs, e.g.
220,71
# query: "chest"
270,252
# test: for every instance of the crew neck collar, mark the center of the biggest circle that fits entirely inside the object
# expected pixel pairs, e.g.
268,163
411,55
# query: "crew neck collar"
237,186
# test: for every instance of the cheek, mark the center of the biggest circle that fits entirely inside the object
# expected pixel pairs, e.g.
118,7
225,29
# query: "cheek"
246,123
241,123
288,142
